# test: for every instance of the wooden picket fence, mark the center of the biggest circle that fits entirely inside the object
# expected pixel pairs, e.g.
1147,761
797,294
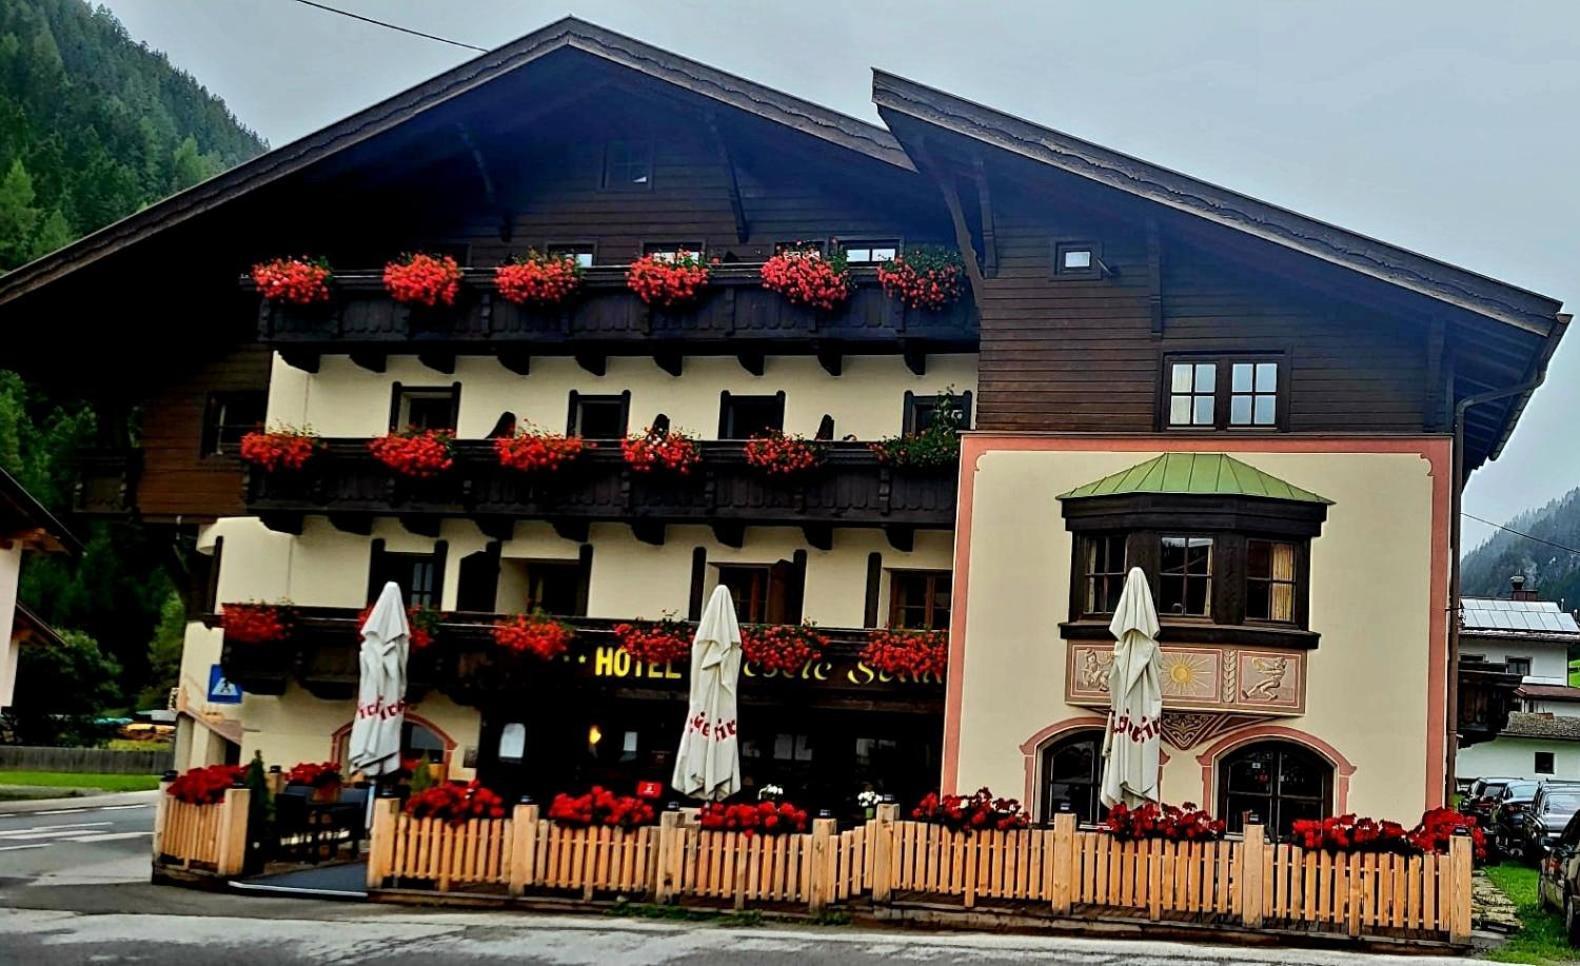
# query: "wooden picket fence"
201,838
1243,883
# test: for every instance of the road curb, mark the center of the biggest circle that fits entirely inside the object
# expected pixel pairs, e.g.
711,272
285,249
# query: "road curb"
79,801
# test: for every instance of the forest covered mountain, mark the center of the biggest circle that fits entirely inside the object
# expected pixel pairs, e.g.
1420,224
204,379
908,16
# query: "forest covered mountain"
1554,573
93,127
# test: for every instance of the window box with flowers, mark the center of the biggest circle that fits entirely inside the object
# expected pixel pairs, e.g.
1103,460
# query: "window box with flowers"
1172,823
295,281
804,275
763,818
655,643
423,280
258,653
667,280
539,451
906,653
322,777
533,635
416,454
538,279
600,808
455,803
979,811
777,453
934,447
206,784
781,649
284,449
654,451
927,277
423,622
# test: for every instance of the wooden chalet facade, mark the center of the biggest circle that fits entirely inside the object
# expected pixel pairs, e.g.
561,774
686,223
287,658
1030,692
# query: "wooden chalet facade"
1267,413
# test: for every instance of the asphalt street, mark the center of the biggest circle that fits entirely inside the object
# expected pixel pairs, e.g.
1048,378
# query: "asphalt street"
74,890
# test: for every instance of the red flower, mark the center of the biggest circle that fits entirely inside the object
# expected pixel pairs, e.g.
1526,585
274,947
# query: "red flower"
781,647
673,451
423,279
666,280
599,806
299,281
780,455
254,623
766,818
317,774
421,620
655,642
421,454
205,785
1154,821
805,276
537,450
455,802
533,634
538,278
924,277
1347,833
911,653
281,449
967,813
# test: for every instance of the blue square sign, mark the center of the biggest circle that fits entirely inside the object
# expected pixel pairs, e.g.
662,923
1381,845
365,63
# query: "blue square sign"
220,690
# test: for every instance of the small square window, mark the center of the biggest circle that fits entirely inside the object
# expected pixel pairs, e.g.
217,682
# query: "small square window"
1253,394
424,409
582,253
598,417
919,599
667,251
1185,571
921,412
1192,388
869,251
1519,665
781,247
1544,763
228,417
417,575
746,416
628,165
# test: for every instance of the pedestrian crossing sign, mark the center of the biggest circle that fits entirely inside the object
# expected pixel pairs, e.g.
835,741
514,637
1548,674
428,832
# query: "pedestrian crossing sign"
220,689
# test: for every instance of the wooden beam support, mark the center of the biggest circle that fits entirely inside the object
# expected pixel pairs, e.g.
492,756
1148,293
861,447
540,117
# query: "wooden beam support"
730,533
945,180
282,521
1432,404
490,193
439,360
915,356
360,524
1155,277
819,535
298,358
985,205
737,208
669,360
517,360
648,531
500,528
752,362
831,359
373,360
575,530
901,537
422,526
596,363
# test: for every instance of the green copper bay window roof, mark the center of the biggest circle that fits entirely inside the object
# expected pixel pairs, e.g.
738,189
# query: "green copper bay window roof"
1195,474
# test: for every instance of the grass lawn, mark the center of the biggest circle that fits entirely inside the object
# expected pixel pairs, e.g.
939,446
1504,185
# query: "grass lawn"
71,779
1542,940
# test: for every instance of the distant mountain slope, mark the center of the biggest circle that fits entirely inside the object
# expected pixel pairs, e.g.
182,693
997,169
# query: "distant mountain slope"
94,126
1554,573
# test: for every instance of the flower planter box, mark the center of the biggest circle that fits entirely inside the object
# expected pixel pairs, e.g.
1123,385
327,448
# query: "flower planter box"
263,668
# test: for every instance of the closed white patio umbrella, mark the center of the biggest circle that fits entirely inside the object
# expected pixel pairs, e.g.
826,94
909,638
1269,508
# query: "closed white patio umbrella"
381,692
1135,691
709,763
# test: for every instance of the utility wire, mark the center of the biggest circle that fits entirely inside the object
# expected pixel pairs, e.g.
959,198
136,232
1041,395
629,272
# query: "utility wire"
391,26
1517,533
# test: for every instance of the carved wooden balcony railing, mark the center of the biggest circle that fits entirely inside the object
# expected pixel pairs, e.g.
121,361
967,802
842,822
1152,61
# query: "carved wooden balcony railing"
850,488
733,315
465,663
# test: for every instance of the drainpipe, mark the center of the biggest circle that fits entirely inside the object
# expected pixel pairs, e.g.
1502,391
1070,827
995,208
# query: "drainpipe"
1460,409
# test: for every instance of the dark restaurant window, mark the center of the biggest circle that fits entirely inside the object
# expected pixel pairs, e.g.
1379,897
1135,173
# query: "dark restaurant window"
1072,775
1185,576
1278,781
919,599
228,417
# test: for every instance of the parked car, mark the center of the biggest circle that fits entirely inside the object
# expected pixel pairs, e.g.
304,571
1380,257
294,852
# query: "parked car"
1552,808
1478,800
1557,887
1509,811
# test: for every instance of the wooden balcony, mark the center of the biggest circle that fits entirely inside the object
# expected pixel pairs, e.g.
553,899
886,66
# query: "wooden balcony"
106,482
1486,696
466,664
734,315
851,488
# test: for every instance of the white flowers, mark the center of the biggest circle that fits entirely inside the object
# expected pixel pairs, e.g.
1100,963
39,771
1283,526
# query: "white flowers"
868,799
769,791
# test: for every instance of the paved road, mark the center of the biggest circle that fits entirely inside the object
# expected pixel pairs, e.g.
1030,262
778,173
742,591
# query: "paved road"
74,890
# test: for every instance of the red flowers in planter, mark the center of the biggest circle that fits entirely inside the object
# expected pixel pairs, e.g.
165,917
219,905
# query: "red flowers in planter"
763,818
1182,823
538,451
979,811
781,647
423,622
280,449
924,277
322,774
599,806
673,451
1437,828
421,454
455,802
655,642
205,785
298,281
542,637
538,278
911,653
806,276
423,279
254,623
666,280
1347,833
778,454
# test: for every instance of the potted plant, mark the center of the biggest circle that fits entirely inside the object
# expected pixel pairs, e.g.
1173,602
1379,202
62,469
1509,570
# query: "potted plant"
763,818
600,808
785,648
926,277
294,281
935,447
777,453
284,448
422,279
980,811
536,450
542,637
672,451
655,642
804,275
667,280
421,454
538,279
907,653
322,777
254,623
455,802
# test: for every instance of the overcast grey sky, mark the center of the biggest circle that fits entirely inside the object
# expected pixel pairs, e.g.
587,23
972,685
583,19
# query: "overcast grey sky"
1446,127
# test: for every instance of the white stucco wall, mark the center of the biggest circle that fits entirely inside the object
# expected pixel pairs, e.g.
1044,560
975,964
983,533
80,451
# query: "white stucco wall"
1507,757
1549,661
10,573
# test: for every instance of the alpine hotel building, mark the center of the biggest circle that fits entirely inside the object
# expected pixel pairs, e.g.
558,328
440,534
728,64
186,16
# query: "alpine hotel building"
1270,415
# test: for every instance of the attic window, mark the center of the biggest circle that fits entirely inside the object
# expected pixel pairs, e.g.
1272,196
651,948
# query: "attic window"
868,251
628,165
1076,260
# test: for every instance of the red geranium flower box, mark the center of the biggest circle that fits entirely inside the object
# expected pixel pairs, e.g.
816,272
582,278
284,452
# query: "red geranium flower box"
456,802
655,642
254,623
421,279
763,818
978,811
806,276
600,807
924,277
673,451
297,281
542,637
667,280
536,278
1176,823
421,620
785,648
280,449
205,785
1349,833
537,451
420,454
778,454
909,653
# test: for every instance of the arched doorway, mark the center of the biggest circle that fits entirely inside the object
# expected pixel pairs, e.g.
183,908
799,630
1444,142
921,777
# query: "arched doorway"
418,739
1280,781
1072,771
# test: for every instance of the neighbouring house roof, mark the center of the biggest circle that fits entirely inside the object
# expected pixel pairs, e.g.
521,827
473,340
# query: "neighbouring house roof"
25,519
1205,474
1548,692
1525,724
29,626
1479,614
